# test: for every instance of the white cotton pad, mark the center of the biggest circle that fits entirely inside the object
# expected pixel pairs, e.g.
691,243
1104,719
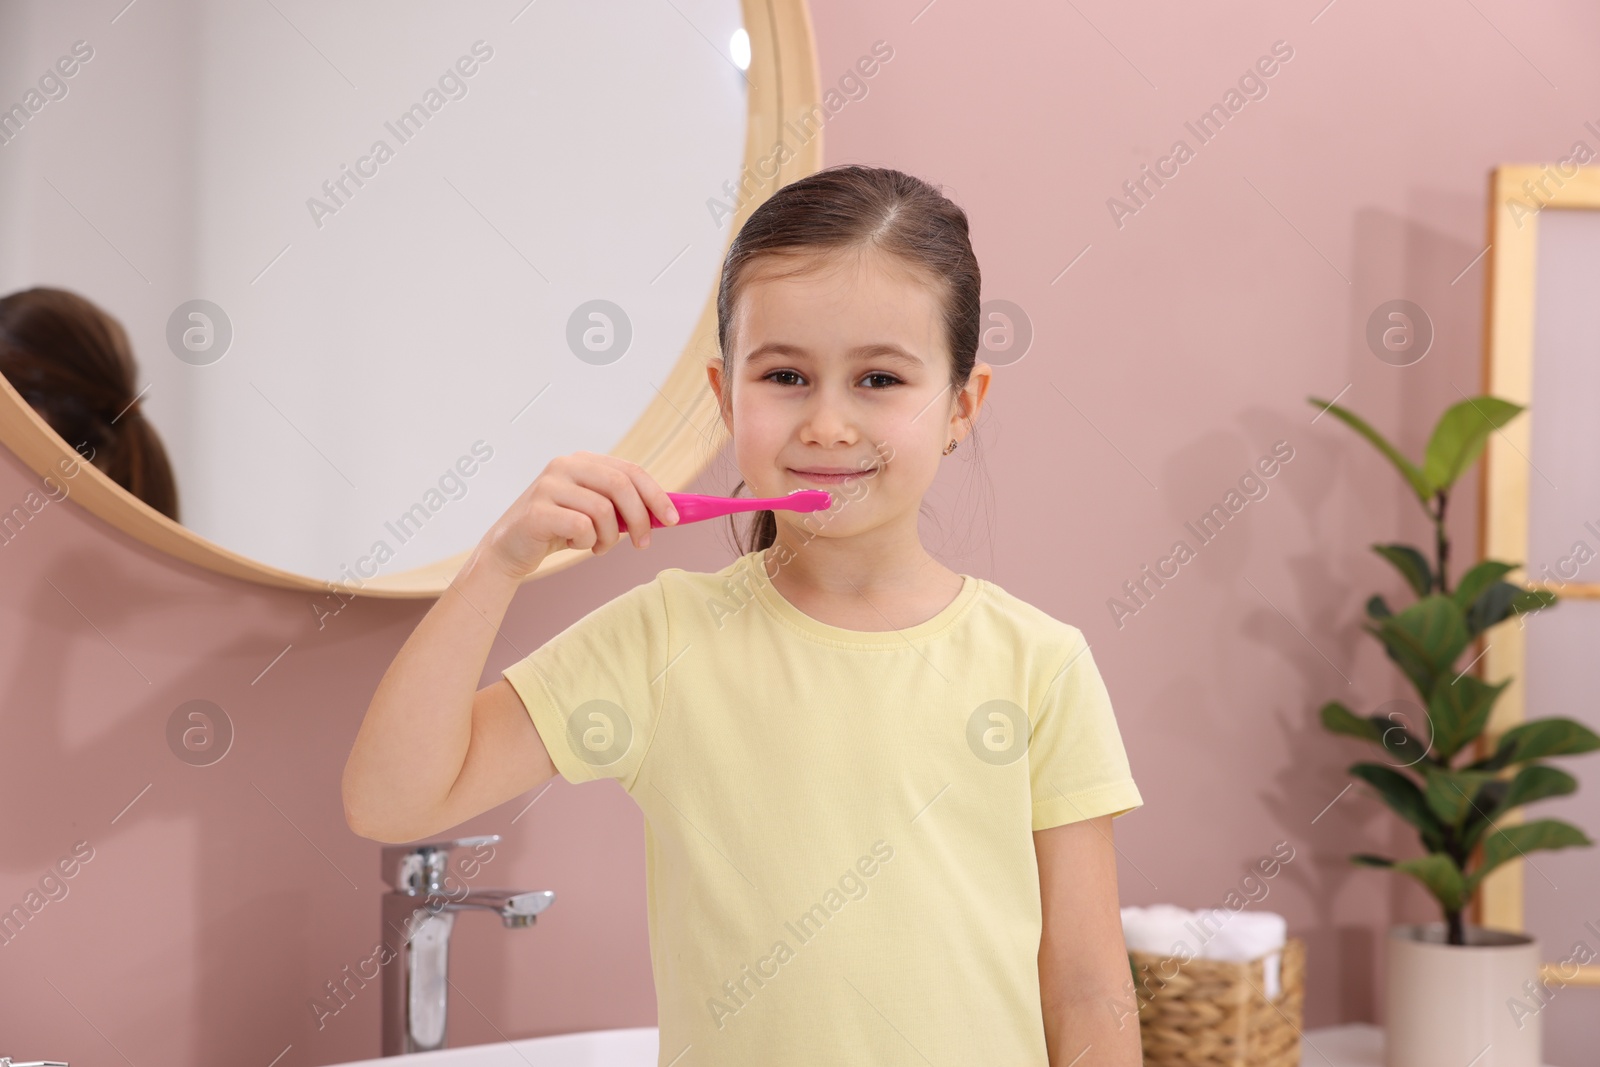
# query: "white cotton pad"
1211,933
1249,935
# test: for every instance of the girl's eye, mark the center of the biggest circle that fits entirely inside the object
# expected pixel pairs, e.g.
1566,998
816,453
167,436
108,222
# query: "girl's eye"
889,379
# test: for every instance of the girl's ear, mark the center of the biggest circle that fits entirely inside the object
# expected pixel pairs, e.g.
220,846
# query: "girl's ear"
714,376
970,401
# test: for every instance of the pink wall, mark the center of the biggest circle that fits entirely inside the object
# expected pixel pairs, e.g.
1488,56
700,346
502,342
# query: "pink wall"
1175,352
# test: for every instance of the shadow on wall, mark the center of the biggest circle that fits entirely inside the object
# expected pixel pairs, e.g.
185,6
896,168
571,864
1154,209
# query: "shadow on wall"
1396,259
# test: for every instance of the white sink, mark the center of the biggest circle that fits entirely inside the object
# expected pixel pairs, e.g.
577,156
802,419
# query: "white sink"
594,1048
1351,1045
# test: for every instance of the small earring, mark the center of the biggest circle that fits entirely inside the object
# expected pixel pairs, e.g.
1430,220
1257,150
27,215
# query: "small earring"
951,447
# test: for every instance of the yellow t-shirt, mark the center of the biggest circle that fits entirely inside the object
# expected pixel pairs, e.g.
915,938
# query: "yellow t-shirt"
838,823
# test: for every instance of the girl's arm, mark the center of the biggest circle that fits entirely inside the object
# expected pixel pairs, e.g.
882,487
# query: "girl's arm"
434,750
1084,979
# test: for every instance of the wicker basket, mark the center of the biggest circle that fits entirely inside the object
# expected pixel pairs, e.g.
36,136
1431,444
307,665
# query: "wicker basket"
1214,1013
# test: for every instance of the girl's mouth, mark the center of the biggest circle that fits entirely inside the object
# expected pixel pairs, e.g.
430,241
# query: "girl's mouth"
821,478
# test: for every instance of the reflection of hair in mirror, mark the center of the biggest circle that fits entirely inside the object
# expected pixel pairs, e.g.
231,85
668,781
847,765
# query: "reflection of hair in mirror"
73,365
850,207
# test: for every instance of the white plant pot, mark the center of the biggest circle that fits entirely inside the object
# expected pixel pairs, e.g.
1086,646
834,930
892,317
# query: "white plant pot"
1447,1005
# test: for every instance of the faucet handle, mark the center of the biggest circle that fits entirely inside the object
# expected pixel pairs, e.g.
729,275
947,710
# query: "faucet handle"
419,868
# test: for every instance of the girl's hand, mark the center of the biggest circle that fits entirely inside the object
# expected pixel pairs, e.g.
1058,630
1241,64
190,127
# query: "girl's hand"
574,503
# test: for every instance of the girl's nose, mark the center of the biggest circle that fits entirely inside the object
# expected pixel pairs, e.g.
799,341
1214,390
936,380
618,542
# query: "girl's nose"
826,421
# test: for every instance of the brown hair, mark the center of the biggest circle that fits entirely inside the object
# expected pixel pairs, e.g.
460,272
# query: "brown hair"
850,207
73,365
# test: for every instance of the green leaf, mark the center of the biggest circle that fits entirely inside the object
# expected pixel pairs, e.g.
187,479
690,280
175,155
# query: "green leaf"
1442,877
1339,719
1459,436
1535,781
1491,607
1412,474
1411,564
1367,859
1378,608
1503,599
1491,800
1459,710
1513,842
1479,578
1450,794
1399,741
1402,794
1539,739
1533,600
1391,735
1425,639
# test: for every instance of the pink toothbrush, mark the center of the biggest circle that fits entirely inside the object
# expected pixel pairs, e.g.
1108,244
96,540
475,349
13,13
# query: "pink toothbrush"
696,507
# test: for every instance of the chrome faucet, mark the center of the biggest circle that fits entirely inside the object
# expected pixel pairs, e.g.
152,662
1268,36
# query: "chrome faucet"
419,912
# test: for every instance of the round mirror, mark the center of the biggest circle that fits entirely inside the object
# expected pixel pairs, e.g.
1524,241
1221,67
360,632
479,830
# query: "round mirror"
378,263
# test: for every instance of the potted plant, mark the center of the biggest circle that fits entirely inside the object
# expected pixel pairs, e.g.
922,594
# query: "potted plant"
1442,776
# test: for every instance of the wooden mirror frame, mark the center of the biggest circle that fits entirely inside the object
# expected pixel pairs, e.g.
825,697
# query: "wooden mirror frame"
1503,514
783,81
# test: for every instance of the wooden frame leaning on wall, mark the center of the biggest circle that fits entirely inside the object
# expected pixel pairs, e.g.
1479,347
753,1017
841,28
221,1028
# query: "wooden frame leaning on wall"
1514,215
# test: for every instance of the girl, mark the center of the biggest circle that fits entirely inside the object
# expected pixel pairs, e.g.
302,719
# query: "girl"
72,363
878,793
